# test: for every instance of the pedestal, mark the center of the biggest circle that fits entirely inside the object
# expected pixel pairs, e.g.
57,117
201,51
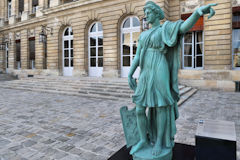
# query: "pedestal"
216,140
146,154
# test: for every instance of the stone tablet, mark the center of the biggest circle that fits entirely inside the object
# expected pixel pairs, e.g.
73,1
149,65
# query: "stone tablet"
129,125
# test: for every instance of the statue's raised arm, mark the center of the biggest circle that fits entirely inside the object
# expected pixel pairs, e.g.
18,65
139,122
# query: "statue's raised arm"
189,23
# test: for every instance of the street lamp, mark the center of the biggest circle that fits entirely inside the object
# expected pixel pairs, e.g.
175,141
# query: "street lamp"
43,34
145,24
43,39
3,44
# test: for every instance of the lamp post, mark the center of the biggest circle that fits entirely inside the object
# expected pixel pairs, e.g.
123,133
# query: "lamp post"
145,24
43,39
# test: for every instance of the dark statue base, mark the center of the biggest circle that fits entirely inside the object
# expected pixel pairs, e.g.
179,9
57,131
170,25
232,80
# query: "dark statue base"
146,154
180,152
216,140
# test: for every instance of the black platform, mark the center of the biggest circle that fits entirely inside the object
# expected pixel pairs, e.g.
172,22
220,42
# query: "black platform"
180,152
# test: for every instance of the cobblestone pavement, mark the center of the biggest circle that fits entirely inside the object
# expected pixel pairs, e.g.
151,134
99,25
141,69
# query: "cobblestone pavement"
42,126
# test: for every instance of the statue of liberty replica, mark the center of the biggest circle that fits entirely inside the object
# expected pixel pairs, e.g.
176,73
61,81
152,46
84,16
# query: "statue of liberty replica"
151,134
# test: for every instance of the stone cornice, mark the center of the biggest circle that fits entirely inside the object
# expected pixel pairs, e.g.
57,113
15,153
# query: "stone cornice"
23,23
49,11
67,6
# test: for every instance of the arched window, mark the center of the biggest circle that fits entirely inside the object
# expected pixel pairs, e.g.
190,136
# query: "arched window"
95,50
130,32
68,51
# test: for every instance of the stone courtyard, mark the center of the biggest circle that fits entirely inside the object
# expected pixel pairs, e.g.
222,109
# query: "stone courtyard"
46,126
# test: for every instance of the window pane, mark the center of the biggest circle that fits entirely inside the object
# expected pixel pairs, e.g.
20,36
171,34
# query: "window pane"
66,32
71,52
99,27
100,51
199,37
135,36
66,53
126,24
199,61
66,44
236,47
134,48
66,62
187,49
93,62
199,48
100,62
188,38
136,22
236,60
92,41
126,61
93,29
32,49
71,43
126,38
71,31
188,61
126,50
93,51
71,62
235,34
100,41
18,51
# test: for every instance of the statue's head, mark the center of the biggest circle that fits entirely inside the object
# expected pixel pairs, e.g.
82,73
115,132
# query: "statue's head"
153,11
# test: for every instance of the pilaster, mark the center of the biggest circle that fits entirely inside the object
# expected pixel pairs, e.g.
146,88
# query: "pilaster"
24,49
12,19
25,14
40,8
11,51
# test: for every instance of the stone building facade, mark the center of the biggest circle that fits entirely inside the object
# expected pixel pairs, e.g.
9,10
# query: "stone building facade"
99,38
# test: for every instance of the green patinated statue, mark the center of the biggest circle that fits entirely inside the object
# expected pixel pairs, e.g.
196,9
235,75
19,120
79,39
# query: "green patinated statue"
157,87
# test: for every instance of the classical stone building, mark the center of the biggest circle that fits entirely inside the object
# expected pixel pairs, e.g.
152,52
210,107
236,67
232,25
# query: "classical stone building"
99,38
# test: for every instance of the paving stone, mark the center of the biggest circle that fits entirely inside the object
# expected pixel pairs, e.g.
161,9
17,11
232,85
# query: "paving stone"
28,143
4,142
15,148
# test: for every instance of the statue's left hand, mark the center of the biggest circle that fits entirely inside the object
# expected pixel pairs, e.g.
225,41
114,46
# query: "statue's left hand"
132,83
207,9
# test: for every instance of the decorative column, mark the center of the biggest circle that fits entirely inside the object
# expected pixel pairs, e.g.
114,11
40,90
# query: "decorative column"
11,51
25,14
2,11
12,19
40,8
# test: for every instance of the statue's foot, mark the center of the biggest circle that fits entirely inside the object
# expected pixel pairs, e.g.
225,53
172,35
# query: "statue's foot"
138,146
157,149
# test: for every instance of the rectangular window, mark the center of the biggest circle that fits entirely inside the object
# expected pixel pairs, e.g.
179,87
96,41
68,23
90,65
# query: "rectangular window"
9,8
34,6
20,6
236,38
18,54
68,1
32,53
192,50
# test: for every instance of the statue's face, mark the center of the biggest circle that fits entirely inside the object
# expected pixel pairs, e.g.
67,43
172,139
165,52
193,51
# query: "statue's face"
150,15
